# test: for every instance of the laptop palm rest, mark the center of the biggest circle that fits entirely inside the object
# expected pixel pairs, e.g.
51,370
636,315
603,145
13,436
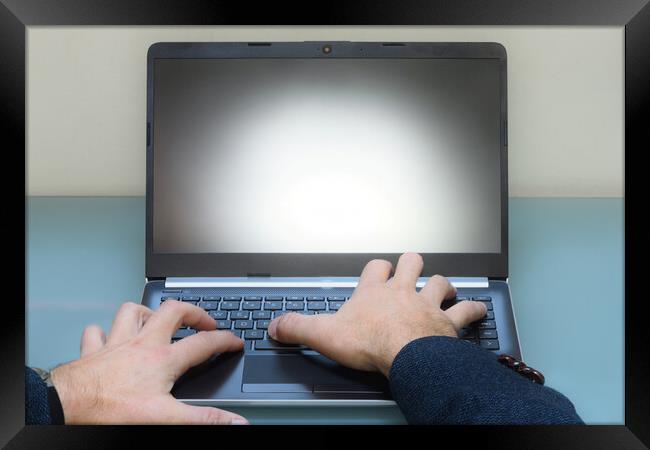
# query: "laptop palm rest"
306,373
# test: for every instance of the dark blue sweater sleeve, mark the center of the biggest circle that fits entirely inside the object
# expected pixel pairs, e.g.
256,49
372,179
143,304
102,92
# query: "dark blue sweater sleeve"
444,380
37,407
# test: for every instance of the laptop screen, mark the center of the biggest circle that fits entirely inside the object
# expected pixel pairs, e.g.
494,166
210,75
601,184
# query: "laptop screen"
316,155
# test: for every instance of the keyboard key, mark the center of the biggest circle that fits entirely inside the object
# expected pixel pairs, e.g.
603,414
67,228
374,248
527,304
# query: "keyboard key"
334,306
316,306
275,345
217,315
487,334
306,313
232,298
183,332
209,305
490,344
273,305
274,298
295,306
212,298
483,298
191,298
168,298
261,314
277,314
239,315
462,299
489,306
472,340
254,334
251,305
315,299
229,306
467,333
295,298
253,298
243,324
489,315
336,298
236,333
487,324
262,324
223,324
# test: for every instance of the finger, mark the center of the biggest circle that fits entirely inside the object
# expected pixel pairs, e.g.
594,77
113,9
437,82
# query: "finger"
171,315
92,340
409,267
438,288
183,414
376,271
294,328
128,322
195,349
465,312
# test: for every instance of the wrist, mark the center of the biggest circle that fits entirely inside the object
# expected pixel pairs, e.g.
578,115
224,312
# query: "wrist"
387,354
58,381
397,341
75,395
384,361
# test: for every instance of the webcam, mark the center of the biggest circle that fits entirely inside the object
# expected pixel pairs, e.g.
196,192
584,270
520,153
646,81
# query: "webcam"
327,49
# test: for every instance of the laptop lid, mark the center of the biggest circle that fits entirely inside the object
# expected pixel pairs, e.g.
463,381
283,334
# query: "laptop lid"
309,159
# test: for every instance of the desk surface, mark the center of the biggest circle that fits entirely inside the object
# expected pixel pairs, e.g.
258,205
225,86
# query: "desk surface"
85,256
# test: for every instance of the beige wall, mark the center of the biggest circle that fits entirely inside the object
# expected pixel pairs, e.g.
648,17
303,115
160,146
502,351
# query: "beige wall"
86,102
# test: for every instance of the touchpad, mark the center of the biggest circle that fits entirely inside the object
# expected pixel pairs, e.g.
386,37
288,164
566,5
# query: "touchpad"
306,373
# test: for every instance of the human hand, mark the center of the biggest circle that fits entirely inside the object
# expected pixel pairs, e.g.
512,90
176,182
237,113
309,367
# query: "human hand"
127,377
381,317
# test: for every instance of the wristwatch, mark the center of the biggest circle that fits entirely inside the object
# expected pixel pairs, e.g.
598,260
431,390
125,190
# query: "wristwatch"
56,409
45,376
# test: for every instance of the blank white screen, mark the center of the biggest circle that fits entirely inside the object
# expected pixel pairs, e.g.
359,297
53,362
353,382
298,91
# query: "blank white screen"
326,156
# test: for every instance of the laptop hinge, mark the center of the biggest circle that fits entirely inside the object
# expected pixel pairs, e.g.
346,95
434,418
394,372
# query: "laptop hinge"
300,282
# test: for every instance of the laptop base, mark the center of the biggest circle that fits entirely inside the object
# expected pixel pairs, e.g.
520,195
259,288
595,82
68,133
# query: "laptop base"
303,376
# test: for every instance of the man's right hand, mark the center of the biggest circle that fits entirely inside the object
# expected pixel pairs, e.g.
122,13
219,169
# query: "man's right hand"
383,315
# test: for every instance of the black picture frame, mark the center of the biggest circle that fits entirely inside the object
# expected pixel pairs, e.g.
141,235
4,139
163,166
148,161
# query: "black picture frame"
160,265
634,15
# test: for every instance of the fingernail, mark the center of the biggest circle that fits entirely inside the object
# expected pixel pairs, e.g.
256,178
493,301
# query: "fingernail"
272,326
239,421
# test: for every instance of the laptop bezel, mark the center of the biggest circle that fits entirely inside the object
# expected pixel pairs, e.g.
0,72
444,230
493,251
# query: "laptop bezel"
161,265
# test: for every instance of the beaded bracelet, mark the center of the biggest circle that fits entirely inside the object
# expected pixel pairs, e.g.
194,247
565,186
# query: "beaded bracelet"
518,366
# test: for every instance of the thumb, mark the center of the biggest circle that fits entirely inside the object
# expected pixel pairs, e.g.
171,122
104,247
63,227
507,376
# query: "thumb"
294,328
205,415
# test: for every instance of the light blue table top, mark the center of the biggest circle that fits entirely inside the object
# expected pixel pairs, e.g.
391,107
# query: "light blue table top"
85,256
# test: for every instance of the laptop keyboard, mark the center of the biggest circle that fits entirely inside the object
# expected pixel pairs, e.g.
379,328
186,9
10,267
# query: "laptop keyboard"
248,317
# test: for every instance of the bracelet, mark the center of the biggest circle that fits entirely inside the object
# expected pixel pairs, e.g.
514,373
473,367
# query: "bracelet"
513,363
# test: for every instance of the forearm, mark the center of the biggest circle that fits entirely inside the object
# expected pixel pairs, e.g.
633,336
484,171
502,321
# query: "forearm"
443,380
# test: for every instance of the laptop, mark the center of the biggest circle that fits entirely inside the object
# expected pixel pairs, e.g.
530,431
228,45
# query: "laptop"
277,170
